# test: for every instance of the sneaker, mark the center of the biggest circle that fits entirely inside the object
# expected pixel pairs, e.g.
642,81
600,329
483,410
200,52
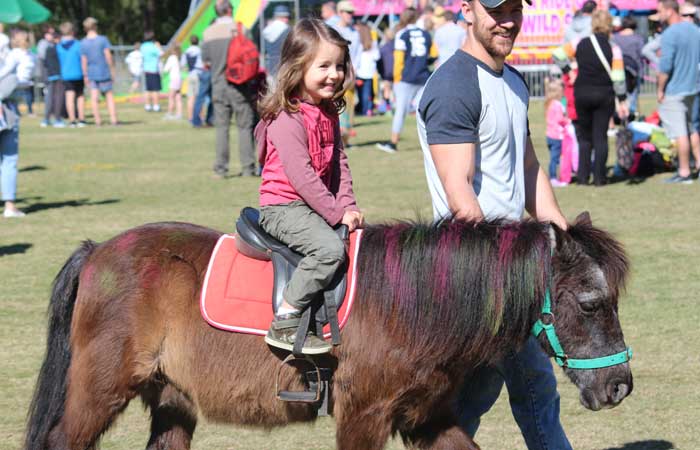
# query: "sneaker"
677,179
82,124
283,332
388,147
147,107
156,108
556,183
44,124
59,124
74,124
10,213
612,132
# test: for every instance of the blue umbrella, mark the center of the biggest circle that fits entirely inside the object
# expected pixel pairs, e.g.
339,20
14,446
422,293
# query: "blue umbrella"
31,11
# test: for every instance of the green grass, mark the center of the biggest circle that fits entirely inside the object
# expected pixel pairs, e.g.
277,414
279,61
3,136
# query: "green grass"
95,182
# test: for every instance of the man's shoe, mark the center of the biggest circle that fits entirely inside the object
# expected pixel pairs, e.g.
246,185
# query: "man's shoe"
388,147
283,331
677,179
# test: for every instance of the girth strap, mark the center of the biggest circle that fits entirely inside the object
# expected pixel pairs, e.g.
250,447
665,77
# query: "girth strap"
332,316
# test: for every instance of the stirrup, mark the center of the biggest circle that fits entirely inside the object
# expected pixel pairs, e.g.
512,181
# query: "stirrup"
311,396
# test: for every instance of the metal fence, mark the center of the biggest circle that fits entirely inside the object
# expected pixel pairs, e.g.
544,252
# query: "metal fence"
535,75
122,75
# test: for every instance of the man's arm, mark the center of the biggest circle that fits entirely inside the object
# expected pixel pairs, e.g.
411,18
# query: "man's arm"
539,196
456,167
110,62
661,81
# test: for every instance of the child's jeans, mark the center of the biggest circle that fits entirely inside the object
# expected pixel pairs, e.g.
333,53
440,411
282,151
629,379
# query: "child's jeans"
9,152
554,155
305,232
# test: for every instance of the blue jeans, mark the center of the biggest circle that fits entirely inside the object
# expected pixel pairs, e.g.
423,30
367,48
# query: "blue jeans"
554,146
9,154
366,97
532,391
203,96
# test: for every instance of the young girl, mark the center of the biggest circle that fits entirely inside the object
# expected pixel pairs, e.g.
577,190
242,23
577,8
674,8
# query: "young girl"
556,124
306,185
172,68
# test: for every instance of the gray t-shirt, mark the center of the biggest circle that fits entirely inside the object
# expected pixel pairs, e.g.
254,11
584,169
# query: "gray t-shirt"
465,101
448,39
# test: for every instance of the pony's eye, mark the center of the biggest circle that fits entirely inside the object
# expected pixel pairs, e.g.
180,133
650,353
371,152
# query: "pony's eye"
588,307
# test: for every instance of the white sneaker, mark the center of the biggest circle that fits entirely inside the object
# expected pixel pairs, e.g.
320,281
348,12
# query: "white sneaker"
556,183
10,213
612,132
156,108
147,107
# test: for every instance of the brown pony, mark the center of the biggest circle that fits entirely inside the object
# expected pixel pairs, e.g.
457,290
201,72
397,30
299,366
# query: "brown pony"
434,301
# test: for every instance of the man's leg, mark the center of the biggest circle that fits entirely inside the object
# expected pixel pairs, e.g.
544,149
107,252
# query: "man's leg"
48,101
204,86
95,101
111,107
81,106
673,113
477,395
222,122
70,105
534,400
244,110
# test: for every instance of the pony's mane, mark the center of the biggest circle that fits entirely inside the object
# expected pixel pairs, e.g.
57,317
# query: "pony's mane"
448,284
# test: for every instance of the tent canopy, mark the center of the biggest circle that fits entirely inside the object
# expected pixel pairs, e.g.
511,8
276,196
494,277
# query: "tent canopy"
30,11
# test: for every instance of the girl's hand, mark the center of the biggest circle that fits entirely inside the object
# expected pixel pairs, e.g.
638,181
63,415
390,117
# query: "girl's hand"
353,220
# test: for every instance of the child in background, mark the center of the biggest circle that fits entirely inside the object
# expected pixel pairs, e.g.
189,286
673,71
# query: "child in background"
306,185
16,71
366,69
134,61
151,52
556,125
172,68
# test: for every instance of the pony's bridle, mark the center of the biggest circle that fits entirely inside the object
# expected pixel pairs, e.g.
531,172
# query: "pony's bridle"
560,356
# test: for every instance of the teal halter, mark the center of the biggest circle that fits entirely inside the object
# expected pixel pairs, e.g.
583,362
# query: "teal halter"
560,357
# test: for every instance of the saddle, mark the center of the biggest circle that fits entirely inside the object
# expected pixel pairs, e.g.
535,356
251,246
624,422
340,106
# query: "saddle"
256,243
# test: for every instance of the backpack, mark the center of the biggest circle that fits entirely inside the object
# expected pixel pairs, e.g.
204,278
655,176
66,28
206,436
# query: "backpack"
242,58
624,147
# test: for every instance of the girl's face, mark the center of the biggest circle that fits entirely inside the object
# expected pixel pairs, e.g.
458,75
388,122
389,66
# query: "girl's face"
325,74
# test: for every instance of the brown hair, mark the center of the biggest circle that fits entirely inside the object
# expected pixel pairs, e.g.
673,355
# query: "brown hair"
601,22
365,35
90,24
553,90
407,17
670,4
67,29
298,51
20,39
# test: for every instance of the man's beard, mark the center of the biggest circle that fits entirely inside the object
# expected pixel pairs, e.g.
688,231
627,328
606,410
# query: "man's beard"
487,40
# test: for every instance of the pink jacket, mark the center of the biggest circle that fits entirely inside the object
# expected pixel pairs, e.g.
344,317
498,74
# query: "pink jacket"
556,120
303,159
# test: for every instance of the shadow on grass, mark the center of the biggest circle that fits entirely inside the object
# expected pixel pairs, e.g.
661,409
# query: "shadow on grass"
14,249
69,203
32,168
653,444
366,143
367,122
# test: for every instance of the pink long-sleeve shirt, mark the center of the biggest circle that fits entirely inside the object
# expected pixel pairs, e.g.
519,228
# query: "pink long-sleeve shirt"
303,159
556,120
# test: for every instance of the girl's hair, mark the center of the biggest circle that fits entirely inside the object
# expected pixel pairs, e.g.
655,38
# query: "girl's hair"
298,51
365,35
553,90
601,22
20,39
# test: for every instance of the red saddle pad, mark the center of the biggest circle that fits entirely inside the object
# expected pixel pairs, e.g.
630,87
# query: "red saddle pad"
237,291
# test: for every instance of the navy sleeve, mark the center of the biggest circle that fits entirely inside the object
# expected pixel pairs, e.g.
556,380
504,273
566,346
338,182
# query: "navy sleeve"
452,116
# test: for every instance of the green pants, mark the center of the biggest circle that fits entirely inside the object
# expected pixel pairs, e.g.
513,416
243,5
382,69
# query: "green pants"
305,232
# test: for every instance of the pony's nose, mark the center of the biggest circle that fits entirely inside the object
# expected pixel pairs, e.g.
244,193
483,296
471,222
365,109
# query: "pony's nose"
617,391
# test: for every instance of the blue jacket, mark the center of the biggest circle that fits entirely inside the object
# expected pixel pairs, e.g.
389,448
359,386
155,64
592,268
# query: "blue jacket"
69,56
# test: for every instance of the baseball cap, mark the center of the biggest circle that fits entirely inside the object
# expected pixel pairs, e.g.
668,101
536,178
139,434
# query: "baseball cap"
497,3
281,11
687,9
346,6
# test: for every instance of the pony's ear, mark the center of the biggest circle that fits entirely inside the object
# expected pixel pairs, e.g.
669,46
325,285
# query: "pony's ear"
584,219
557,237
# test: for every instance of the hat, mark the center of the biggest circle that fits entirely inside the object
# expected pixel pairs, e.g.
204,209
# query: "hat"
345,6
688,9
496,3
439,11
281,11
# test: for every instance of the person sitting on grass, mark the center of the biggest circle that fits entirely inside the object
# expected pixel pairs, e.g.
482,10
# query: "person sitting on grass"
306,185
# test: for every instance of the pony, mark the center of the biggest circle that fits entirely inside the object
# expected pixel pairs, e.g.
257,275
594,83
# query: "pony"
434,302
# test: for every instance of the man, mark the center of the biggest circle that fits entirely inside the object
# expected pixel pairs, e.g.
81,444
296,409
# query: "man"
413,53
329,14
580,26
481,164
98,66
449,36
229,99
677,85
345,27
274,34
72,74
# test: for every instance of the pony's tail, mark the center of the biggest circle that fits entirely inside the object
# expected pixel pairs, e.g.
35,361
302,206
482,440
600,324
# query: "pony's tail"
49,397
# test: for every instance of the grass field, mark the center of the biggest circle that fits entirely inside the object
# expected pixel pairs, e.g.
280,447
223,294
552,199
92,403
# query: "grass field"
95,182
